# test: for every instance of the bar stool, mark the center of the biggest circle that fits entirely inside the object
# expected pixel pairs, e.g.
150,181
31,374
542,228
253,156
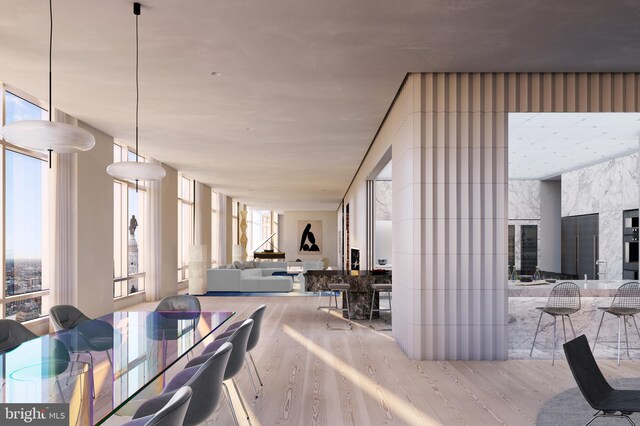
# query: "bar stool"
626,303
563,301
339,288
379,288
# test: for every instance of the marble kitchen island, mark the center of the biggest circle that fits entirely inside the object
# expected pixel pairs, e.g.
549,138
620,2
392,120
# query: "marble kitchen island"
523,318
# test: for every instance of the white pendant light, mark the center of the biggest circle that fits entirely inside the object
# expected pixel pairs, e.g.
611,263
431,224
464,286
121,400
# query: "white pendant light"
48,135
136,170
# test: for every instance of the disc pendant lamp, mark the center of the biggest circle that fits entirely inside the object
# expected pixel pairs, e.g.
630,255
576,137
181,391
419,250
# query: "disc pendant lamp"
49,135
136,170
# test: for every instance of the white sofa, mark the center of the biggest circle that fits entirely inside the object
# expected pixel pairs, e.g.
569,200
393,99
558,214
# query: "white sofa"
257,279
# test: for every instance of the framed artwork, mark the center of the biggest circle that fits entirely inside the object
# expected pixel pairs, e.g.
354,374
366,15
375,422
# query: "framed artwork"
355,259
310,234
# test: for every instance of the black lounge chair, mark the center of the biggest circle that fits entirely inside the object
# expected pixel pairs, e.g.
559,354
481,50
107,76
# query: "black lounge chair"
596,390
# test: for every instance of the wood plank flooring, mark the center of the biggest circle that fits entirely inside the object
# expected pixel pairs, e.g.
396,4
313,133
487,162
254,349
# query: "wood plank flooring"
315,376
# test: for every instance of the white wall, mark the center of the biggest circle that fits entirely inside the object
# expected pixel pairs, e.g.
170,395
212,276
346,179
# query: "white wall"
549,250
290,240
169,219
94,232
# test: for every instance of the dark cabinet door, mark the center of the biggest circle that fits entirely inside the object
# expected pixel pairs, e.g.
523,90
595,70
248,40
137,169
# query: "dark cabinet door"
588,245
579,248
569,248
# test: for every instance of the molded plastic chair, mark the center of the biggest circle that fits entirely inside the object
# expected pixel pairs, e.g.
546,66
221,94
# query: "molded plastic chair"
205,381
13,334
82,334
239,339
596,390
185,303
254,338
563,301
626,303
171,414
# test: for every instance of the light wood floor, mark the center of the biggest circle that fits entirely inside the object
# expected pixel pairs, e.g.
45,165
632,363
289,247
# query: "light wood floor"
314,376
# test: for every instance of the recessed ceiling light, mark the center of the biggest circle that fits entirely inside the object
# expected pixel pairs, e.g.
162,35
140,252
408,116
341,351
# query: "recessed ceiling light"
216,73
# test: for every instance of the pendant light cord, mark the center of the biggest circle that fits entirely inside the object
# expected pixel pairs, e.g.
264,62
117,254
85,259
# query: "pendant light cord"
50,50
136,12
50,79
137,88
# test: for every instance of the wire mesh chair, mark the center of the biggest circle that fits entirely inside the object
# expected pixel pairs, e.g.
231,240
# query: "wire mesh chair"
563,301
626,303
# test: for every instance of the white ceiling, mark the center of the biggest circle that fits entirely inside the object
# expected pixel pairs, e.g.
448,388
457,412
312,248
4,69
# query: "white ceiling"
304,85
545,145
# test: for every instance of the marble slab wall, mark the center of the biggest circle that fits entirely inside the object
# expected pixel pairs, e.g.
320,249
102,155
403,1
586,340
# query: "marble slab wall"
607,188
524,199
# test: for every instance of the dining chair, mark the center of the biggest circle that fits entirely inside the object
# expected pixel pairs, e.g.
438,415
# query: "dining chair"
205,381
56,362
13,334
181,302
254,337
563,301
81,334
239,339
608,402
626,303
172,414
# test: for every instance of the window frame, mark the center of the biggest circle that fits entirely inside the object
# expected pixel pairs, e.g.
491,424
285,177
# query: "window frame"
126,186
185,200
46,261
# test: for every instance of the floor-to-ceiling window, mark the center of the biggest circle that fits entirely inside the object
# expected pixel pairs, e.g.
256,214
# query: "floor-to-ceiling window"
24,178
186,198
128,230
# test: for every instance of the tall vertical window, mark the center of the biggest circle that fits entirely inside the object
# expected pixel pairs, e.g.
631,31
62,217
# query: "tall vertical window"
215,229
262,225
128,230
25,293
185,224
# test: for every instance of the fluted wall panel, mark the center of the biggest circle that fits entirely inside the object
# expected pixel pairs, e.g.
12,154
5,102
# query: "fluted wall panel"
450,174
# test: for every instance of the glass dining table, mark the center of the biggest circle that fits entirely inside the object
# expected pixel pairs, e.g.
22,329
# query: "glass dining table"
145,346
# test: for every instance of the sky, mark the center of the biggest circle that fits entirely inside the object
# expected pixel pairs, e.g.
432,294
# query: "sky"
23,190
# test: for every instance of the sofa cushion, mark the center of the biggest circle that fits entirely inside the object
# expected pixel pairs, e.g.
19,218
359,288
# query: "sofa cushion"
249,264
277,283
239,265
247,273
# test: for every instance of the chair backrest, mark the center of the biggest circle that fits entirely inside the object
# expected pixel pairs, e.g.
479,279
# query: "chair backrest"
66,317
627,296
239,340
564,295
257,317
585,370
175,411
179,303
12,334
206,385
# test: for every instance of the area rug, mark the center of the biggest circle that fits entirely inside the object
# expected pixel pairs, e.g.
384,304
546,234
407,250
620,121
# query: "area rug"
570,408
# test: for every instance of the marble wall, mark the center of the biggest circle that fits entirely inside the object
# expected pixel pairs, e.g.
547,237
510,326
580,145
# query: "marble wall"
524,199
607,188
